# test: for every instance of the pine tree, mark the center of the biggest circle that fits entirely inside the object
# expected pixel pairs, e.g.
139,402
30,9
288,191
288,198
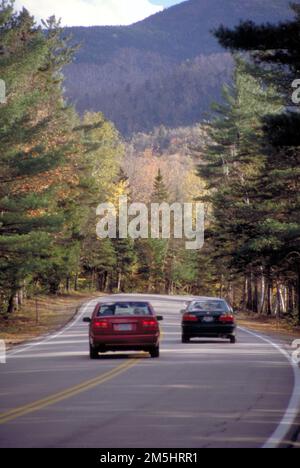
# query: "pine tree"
234,166
160,192
276,49
153,252
33,149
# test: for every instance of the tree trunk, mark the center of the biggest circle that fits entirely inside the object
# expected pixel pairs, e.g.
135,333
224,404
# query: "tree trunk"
269,296
281,298
232,297
222,286
255,295
109,283
101,281
92,282
249,293
262,293
76,282
11,304
230,293
279,309
119,281
21,296
244,298
105,283
290,299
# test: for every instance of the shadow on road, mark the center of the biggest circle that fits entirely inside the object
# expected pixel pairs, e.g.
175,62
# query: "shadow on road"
208,342
122,357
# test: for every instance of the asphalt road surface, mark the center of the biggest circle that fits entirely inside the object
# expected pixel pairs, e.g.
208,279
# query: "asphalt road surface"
202,394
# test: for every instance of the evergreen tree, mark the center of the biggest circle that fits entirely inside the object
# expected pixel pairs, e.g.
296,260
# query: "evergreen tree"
234,166
154,252
160,192
275,48
33,148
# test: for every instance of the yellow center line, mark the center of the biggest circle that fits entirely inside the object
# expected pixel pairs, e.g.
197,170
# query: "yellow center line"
65,394
69,392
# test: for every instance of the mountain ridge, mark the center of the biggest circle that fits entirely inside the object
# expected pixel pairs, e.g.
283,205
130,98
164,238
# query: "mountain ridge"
138,75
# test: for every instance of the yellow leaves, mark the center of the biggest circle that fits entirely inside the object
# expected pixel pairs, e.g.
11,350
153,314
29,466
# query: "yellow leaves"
193,186
178,171
36,213
120,189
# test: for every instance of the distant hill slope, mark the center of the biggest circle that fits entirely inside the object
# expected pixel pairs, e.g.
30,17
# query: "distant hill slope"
166,69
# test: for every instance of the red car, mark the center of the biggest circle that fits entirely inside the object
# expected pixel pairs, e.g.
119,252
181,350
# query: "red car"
124,326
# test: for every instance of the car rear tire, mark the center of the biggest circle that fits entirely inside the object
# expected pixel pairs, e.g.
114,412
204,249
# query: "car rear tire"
185,339
233,340
155,352
93,353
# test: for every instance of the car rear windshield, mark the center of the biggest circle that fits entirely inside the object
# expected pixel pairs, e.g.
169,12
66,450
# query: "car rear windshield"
124,310
209,306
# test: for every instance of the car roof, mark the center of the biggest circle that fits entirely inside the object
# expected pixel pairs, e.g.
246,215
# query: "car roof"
123,302
203,298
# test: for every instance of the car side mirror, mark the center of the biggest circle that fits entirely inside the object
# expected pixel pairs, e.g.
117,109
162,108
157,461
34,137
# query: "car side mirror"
183,311
87,320
159,318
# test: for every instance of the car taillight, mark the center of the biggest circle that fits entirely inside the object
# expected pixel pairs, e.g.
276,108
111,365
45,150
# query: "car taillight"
150,323
227,318
100,324
190,318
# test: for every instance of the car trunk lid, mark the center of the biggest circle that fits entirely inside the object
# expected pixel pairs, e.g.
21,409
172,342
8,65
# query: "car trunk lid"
125,325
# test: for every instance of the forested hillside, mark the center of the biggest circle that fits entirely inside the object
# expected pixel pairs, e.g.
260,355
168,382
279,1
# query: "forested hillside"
164,70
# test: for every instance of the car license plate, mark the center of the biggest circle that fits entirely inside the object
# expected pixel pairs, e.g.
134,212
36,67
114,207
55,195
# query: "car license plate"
123,327
208,319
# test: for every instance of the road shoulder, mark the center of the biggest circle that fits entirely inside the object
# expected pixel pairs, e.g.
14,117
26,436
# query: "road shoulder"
42,317
284,336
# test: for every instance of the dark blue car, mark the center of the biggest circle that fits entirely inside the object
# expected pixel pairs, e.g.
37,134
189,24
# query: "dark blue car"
208,318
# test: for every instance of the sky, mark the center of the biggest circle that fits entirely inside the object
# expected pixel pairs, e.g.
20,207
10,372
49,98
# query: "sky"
95,12
165,3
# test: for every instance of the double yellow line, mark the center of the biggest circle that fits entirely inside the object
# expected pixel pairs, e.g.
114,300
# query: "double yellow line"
65,394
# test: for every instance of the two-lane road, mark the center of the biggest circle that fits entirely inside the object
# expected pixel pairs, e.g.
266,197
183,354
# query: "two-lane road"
203,394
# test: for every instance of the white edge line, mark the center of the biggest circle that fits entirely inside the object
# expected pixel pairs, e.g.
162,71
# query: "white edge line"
56,335
47,338
293,408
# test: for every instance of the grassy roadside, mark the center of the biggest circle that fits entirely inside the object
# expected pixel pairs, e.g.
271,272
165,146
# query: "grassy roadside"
269,326
39,317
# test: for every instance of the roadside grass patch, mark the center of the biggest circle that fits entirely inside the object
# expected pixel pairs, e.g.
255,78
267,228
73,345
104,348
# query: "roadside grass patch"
39,316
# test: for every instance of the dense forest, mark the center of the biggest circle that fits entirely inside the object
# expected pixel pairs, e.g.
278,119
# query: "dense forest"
165,70
56,167
251,170
243,162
